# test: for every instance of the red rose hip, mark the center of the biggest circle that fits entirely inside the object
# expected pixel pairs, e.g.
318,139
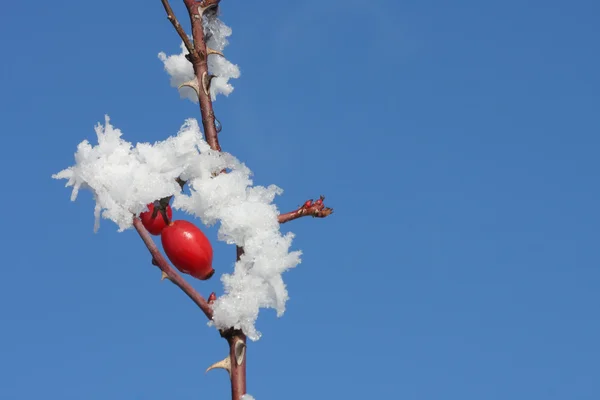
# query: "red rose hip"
153,219
188,249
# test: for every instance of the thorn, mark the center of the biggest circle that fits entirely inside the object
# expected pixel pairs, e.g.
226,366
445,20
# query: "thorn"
206,79
206,5
223,364
164,276
240,352
210,51
193,84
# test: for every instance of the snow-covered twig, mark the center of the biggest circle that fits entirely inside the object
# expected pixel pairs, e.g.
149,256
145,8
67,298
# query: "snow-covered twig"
202,78
125,178
236,359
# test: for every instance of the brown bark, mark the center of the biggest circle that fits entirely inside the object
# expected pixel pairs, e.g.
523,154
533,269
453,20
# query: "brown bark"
200,64
238,355
171,17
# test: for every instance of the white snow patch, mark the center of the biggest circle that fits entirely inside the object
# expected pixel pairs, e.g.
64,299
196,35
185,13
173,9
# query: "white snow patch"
181,70
125,178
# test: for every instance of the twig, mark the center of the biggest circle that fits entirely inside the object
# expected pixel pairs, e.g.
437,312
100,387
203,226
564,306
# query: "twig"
315,209
237,353
237,356
169,272
186,40
200,63
235,362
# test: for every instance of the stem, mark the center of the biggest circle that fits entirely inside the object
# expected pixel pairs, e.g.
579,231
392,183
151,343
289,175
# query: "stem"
237,340
171,17
199,61
169,272
316,210
198,56
238,369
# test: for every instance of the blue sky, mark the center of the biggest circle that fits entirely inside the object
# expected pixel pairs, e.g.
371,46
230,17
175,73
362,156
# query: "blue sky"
457,143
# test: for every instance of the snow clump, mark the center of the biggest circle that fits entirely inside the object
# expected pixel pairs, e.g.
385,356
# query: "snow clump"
181,70
124,178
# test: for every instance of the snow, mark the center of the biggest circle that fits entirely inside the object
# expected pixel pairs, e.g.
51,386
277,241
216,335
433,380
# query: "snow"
246,397
124,178
181,70
216,33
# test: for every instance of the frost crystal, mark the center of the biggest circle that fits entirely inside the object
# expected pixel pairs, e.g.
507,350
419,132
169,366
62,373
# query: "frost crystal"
216,33
124,178
181,70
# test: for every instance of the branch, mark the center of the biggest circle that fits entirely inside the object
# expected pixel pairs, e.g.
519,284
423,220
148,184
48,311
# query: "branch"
168,272
315,210
237,356
186,40
235,362
202,80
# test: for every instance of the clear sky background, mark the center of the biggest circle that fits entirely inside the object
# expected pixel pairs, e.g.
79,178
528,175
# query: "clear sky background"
457,141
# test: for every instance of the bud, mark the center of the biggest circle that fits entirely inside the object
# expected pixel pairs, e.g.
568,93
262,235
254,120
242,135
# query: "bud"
212,298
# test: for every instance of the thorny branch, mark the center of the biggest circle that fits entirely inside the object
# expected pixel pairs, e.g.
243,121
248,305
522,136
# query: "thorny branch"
235,362
200,64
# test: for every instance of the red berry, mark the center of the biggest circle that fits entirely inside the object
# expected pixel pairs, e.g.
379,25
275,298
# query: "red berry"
188,249
154,222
